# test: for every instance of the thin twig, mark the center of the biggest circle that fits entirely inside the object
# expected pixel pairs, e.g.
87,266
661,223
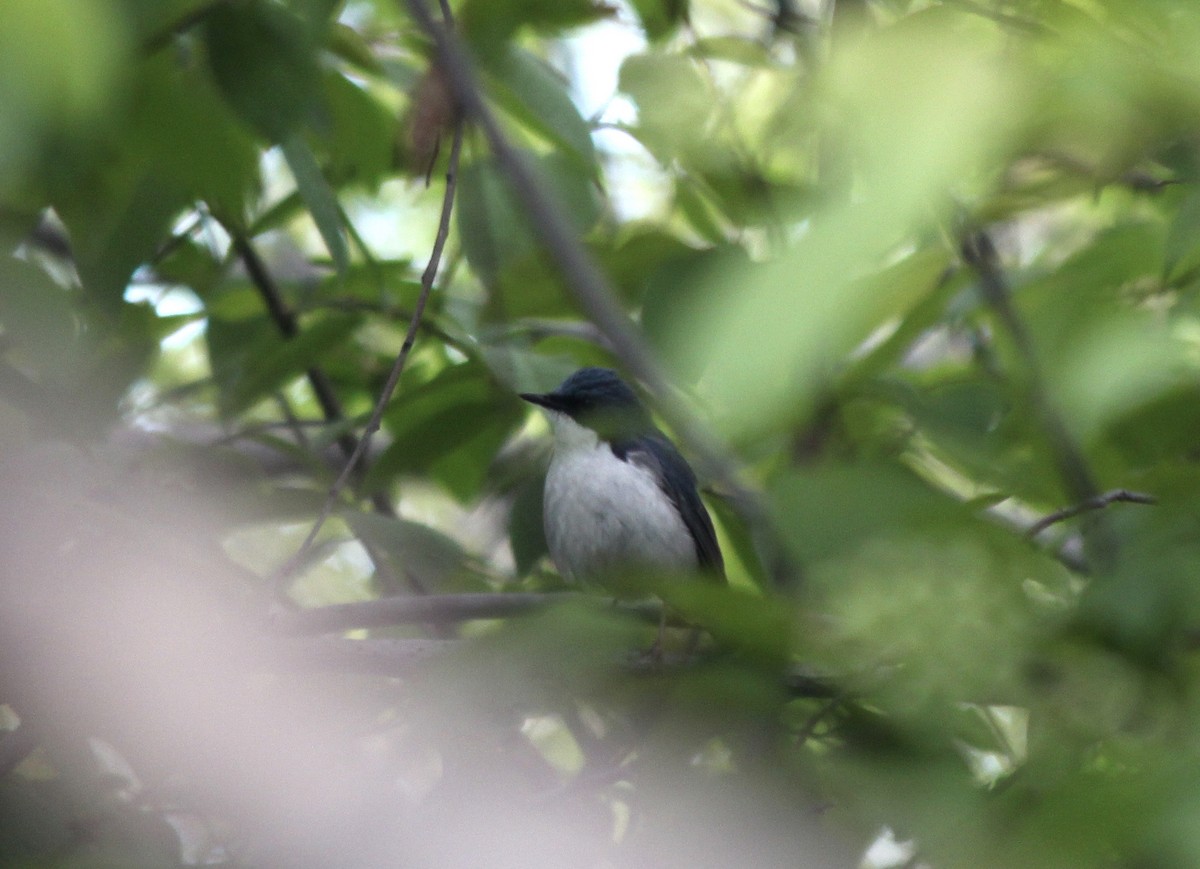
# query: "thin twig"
1099,502
285,320
582,277
331,409
814,721
979,253
286,572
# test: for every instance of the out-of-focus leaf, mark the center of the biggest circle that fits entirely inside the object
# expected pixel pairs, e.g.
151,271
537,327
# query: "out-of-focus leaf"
673,295
915,128
941,616
348,44
526,536
489,23
827,510
531,91
448,429
491,223
37,316
1182,253
659,18
177,144
155,19
264,60
736,49
755,625
673,100
321,200
360,135
1118,364
258,361
59,63
422,552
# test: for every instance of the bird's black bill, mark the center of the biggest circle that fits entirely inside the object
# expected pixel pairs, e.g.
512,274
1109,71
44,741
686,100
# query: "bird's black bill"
548,400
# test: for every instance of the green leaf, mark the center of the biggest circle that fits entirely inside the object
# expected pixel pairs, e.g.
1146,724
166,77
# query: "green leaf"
321,200
348,44
489,23
447,429
526,535
117,230
735,49
37,316
674,101
360,135
60,64
1182,252
752,624
418,550
491,223
257,361
675,289
660,18
828,510
530,90
177,143
264,60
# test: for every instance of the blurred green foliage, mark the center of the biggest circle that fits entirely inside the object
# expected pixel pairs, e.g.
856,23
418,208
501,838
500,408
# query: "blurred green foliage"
779,194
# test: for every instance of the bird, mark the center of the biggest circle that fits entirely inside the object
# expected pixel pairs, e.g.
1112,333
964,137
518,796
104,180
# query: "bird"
618,493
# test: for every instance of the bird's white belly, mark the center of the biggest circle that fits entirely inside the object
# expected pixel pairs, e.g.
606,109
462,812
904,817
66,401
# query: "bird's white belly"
604,514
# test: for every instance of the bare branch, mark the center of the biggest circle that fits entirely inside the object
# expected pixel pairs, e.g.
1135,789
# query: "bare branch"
286,572
1099,502
331,409
979,253
442,609
386,611
376,657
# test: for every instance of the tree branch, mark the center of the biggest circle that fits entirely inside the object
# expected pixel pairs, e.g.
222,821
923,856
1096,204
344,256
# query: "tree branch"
441,609
583,278
285,573
1099,502
980,254
375,657
331,409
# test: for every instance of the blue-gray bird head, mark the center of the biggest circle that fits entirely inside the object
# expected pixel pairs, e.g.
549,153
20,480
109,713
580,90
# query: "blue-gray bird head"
598,399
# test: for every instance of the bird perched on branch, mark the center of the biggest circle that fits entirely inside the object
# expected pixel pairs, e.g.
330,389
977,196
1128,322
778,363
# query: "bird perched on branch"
618,493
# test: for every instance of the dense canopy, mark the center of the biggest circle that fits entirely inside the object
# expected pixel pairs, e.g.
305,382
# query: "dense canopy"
912,283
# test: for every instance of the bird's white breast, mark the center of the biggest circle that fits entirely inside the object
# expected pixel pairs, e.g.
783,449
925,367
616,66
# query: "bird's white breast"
603,513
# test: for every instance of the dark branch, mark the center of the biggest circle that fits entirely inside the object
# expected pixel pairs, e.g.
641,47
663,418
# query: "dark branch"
427,277
331,409
1099,502
374,657
979,253
439,609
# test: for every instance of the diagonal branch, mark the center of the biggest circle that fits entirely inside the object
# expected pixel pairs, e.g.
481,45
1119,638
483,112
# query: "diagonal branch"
583,278
1097,503
979,253
331,406
443,609
288,570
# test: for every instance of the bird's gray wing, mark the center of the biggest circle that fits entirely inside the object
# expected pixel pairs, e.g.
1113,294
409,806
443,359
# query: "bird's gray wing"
675,477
